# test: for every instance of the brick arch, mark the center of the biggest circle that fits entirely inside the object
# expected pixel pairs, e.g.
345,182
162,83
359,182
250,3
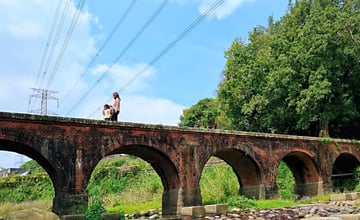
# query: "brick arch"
157,159
343,167
30,152
246,169
163,166
305,172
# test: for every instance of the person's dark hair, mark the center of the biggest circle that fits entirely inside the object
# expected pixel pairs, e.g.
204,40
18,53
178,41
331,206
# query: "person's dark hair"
116,94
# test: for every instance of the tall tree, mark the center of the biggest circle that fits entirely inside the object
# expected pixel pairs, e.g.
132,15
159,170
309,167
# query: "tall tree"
300,74
204,114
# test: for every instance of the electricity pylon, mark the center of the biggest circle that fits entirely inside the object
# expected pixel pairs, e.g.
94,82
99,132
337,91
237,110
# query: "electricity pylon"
44,95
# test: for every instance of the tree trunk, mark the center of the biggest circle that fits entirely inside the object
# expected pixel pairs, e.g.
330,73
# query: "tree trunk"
324,128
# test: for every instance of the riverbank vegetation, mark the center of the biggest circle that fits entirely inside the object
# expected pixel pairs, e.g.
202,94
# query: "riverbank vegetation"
127,184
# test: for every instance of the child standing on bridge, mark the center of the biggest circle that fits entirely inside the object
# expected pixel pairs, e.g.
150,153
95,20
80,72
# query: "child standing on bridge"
107,112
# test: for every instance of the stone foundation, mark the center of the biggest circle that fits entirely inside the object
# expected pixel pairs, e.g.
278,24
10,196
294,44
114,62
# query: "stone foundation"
70,204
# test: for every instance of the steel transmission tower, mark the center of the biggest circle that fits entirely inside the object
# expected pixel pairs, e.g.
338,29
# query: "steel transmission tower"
44,95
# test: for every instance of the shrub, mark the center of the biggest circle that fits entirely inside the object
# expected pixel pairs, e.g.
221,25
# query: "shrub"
95,210
240,202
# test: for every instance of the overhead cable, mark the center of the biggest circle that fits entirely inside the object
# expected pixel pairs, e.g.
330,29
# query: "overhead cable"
195,23
121,20
142,29
55,41
48,42
53,44
66,41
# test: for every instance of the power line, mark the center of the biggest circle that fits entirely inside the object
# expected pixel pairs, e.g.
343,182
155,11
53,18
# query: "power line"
48,42
195,23
66,41
121,20
44,94
43,69
142,29
55,41
178,38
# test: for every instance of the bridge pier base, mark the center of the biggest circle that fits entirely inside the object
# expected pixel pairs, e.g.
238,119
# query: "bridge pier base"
327,188
175,199
69,204
313,189
271,191
170,202
309,189
257,192
260,191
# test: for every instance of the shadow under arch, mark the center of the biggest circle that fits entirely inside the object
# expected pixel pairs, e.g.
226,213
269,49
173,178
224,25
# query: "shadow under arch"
305,172
20,148
166,170
343,171
246,170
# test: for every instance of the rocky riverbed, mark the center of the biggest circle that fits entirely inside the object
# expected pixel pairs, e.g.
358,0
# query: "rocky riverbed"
295,212
308,211
332,210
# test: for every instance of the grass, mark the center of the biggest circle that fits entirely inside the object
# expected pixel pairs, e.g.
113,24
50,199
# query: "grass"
321,198
275,203
280,203
135,207
7,207
132,202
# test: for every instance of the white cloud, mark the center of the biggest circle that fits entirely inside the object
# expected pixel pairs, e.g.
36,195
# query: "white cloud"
12,4
25,29
134,78
225,9
149,110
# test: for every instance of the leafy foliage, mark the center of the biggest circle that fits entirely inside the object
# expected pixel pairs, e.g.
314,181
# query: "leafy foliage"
202,115
218,183
241,202
125,183
17,188
95,210
33,166
299,75
285,182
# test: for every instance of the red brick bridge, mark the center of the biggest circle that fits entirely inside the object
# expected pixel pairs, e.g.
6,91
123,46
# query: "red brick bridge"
69,149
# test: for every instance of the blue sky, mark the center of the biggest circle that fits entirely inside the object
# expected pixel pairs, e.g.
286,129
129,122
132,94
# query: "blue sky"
161,58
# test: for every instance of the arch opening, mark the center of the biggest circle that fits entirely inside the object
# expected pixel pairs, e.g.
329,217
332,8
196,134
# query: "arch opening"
124,182
343,172
218,182
28,151
239,174
146,169
35,184
307,180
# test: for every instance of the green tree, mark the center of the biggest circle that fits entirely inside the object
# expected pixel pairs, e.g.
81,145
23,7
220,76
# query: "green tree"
299,75
244,80
33,166
204,114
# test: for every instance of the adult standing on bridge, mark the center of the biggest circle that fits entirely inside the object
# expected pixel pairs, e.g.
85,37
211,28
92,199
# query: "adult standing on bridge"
115,107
